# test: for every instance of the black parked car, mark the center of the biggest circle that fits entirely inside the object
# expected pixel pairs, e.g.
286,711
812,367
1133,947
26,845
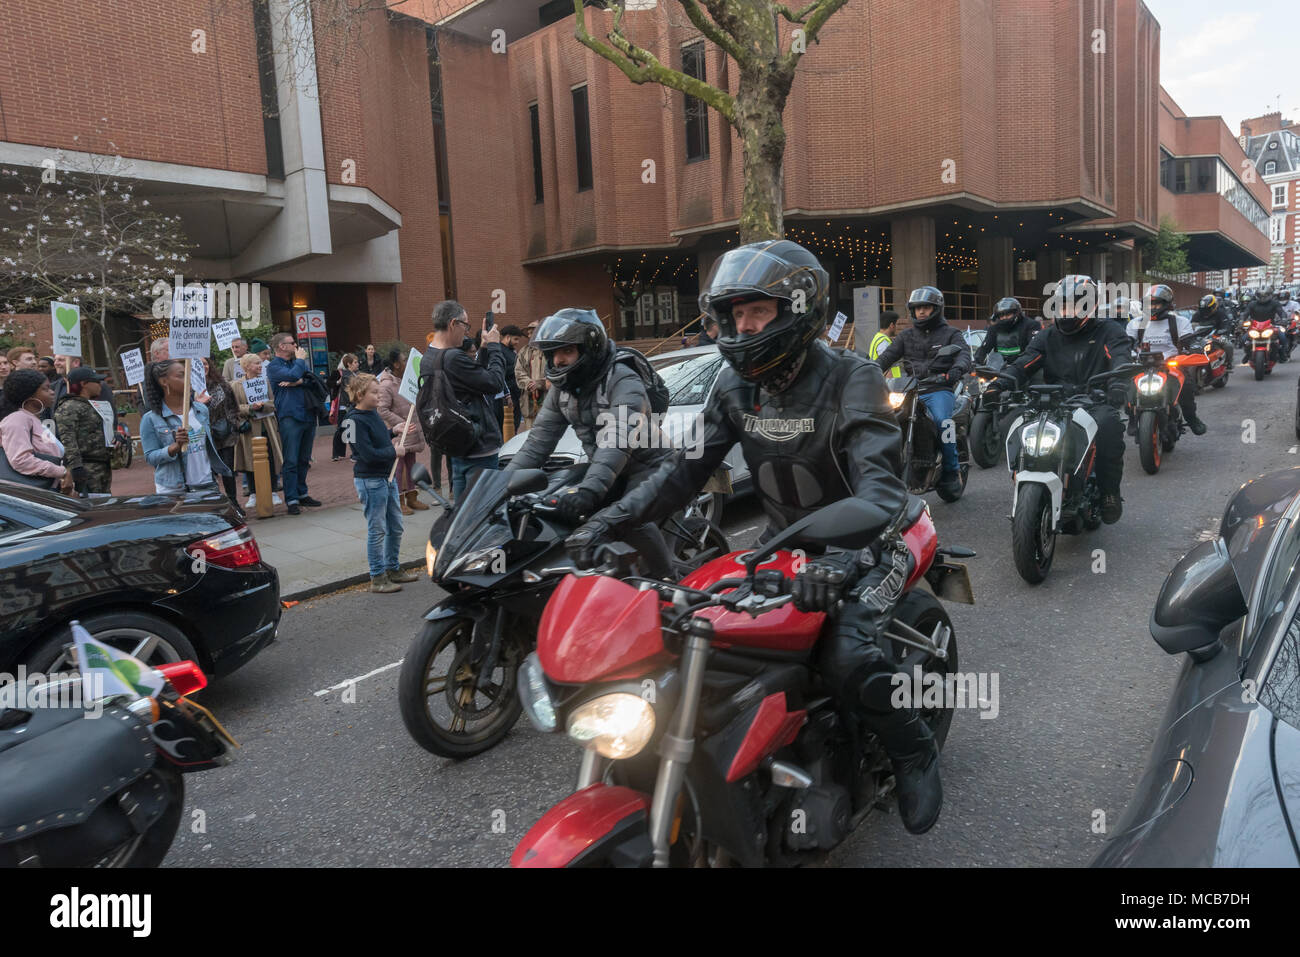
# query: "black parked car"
1222,783
165,578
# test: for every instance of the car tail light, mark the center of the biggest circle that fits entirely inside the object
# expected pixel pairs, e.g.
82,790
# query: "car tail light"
185,676
233,549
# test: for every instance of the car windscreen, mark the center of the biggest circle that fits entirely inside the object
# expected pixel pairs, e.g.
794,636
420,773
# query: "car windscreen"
690,379
1279,691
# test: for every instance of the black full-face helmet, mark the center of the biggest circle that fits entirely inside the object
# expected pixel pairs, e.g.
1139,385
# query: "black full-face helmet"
1007,313
1161,298
1265,295
1074,303
573,327
1208,303
926,296
774,269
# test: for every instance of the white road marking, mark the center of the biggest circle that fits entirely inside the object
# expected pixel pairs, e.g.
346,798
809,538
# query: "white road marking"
351,681
1291,451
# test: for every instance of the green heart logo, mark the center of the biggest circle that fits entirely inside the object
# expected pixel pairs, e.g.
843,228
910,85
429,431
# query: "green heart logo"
66,317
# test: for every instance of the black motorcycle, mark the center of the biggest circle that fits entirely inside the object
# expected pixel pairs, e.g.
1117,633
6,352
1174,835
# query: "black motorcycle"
922,436
991,416
499,554
99,783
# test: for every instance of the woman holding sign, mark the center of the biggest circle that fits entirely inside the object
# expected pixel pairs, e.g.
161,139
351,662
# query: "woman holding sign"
256,407
396,413
182,452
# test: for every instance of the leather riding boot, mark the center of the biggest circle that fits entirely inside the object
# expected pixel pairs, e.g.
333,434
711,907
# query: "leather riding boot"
910,744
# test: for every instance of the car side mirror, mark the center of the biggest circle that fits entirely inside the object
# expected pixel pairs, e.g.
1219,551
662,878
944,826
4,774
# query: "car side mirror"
1199,598
526,481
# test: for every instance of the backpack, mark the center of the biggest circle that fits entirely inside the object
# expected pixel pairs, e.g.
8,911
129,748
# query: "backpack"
446,423
654,383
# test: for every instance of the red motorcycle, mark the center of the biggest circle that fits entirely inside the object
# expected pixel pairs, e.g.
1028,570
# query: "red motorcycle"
709,738
1263,338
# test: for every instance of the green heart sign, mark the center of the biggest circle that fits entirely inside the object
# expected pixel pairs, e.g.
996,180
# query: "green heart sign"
66,317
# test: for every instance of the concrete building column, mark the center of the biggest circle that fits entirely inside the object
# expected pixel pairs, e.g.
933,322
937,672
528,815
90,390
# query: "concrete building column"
1051,266
912,246
997,266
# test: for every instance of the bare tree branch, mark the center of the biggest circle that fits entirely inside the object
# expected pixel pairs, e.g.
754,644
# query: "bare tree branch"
641,66
799,17
820,12
711,30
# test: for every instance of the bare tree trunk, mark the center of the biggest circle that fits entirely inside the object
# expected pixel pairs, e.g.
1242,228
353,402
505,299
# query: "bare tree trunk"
762,202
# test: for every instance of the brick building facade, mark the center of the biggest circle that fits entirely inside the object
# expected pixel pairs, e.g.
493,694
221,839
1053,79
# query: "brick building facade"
478,150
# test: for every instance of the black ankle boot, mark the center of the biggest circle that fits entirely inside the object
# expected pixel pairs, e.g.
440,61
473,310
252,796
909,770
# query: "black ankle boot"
911,748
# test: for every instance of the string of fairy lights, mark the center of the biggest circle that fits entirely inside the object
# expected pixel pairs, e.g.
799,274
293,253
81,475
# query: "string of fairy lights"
862,252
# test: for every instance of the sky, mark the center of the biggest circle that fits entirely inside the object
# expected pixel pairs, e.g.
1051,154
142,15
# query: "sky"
1210,57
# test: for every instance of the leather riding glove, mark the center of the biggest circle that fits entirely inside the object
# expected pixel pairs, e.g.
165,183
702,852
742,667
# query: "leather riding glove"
821,583
574,504
581,545
1117,394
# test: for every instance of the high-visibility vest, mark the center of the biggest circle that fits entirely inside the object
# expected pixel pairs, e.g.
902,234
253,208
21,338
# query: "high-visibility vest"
878,343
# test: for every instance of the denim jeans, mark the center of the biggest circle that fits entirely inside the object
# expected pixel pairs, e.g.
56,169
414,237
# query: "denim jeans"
460,469
383,523
296,436
940,406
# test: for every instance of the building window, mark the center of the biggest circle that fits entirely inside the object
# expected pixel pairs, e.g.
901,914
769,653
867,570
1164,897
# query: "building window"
1279,194
1270,167
535,124
697,113
1209,174
1277,229
582,137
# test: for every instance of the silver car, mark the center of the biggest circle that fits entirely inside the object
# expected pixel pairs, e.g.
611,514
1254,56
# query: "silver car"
1222,783
690,375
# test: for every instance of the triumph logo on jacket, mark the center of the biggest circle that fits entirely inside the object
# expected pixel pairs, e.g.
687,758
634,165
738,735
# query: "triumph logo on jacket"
779,430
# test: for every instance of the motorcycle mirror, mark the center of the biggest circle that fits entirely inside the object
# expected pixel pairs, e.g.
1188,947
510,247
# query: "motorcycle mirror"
526,481
420,475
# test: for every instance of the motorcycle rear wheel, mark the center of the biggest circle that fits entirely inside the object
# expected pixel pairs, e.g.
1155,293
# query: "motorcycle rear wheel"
149,849
476,719
1033,539
922,611
984,444
1149,443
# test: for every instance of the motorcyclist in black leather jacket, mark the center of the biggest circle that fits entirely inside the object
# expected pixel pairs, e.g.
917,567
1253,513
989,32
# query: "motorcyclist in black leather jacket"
1077,347
1211,312
815,426
918,346
1009,331
606,403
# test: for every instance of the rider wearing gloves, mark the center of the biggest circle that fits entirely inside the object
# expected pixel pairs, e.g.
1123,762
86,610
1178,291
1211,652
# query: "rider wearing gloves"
1077,347
1169,334
1009,331
815,427
605,401
918,346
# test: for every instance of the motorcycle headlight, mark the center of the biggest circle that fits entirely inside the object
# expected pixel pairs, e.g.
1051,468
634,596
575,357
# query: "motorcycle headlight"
1267,333
617,725
1040,438
430,557
1151,383
896,399
1253,334
492,559
534,695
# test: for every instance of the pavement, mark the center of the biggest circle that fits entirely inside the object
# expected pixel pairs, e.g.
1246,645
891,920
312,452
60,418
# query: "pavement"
328,775
321,549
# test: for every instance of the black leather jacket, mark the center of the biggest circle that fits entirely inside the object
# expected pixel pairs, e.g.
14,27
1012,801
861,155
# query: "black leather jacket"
830,435
1073,360
618,444
1219,318
917,348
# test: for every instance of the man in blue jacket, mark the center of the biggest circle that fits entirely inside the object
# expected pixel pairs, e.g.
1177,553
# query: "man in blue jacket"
286,373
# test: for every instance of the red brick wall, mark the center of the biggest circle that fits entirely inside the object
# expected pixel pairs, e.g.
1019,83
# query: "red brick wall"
73,66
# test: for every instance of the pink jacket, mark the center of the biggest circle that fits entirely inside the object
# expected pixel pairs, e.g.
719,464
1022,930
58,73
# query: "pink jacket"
20,434
393,409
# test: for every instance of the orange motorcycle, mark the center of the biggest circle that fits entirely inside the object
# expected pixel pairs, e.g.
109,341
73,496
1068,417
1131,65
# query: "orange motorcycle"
1159,417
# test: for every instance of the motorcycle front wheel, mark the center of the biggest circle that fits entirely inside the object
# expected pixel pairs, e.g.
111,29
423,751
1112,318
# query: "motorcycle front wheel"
984,444
1033,536
1258,365
442,706
1149,443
